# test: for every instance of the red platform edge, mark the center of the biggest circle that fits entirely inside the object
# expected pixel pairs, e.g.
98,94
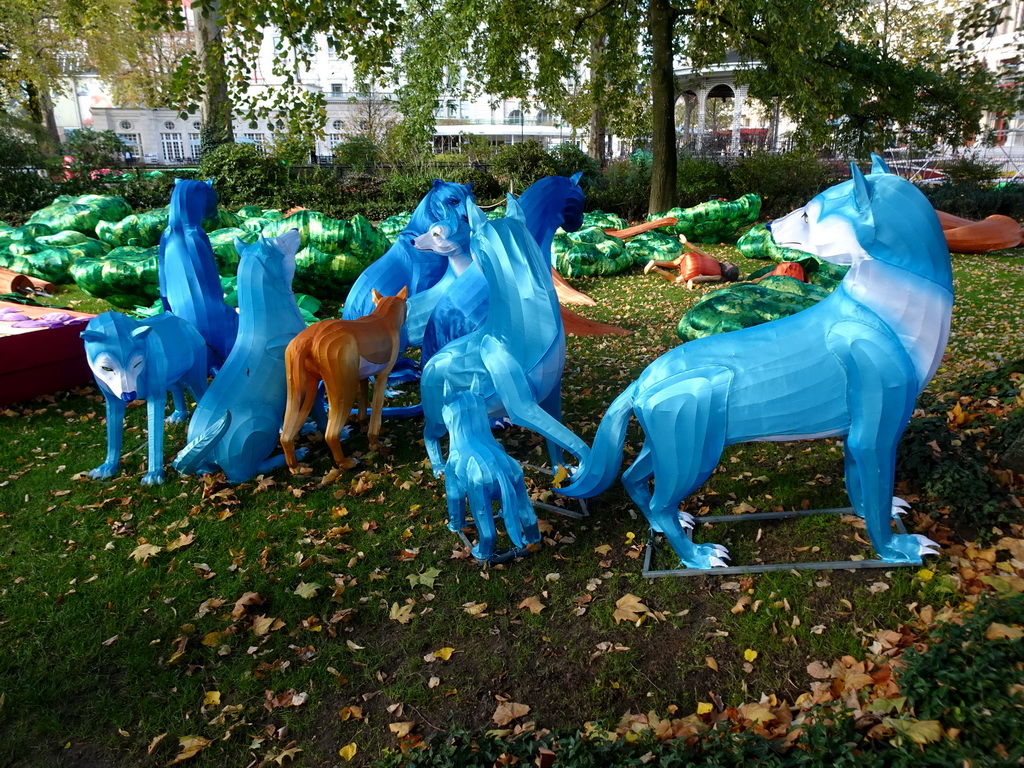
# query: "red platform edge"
42,361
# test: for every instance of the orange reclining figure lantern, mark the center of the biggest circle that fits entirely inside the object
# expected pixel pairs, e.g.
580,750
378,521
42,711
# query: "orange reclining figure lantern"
344,354
789,269
694,266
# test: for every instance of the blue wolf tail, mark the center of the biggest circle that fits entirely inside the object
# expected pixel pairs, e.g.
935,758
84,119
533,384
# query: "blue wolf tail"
598,473
190,458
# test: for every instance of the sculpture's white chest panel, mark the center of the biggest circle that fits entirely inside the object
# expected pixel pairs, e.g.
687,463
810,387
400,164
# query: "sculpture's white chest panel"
917,310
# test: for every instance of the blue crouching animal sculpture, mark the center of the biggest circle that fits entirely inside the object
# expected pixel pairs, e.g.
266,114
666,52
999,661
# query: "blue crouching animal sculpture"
404,265
189,283
549,203
236,424
143,360
479,472
516,358
850,366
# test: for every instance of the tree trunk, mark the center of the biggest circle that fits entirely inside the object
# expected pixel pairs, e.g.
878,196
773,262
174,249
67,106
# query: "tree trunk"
598,136
598,130
663,137
39,105
215,106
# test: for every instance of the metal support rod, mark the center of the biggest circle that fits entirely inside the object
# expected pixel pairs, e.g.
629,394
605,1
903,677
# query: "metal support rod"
733,570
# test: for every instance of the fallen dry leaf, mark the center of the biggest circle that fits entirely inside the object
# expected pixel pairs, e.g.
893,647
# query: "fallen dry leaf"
348,751
629,608
508,711
997,631
190,747
534,605
401,730
243,603
145,551
401,613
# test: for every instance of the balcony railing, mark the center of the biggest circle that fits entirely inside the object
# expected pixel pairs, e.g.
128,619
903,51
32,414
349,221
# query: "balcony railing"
531,121
359,96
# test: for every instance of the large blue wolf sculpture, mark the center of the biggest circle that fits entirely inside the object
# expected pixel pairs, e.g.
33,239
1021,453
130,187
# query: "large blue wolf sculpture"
143,359
515,360
236,425
548,203
850,366
187,271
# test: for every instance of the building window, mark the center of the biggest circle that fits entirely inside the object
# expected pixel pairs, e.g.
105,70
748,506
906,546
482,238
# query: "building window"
337,125
338,89
515,117
258,140
133,141
169,125
125,125
334,139
197,125
453,109
193,145
173,150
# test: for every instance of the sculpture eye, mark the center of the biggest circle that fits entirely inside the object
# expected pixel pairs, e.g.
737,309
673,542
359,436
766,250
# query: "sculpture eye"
137,364
806,218
105,368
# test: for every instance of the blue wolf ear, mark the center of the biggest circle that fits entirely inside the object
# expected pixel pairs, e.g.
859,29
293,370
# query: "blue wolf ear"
575,178
141,332
209,183
91,336
437,183
514,210
878,165
240,245
477,218
861,193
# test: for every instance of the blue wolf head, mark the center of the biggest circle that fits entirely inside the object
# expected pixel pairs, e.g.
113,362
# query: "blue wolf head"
880,216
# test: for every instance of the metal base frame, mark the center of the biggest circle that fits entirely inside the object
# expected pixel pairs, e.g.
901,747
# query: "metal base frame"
582,514
838,565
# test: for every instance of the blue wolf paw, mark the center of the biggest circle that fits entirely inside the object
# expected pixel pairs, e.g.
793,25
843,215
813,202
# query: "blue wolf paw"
899,507
153,477
908,548
176,417
104,471
705,556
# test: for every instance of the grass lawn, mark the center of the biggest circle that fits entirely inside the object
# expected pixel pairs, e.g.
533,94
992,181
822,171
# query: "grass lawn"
284,620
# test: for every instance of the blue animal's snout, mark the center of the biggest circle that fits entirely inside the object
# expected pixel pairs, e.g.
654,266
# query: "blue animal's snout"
128,396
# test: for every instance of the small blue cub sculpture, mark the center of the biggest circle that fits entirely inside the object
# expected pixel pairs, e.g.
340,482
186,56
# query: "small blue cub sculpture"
133,359
478,471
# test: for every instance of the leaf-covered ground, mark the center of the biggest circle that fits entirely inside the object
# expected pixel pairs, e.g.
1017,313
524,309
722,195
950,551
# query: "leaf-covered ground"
331,618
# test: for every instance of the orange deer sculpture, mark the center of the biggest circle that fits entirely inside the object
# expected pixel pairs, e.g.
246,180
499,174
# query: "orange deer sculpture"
344,354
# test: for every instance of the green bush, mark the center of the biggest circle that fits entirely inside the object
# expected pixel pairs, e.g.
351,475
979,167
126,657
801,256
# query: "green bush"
970,169
972,682
699,180
625,190
358,152
569,159
24,184
242,175
784,182
976,201
144,193
486,188
318,189
92,151
519,165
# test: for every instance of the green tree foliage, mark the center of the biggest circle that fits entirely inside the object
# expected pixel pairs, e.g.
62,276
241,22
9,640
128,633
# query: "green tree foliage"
865,74
228,35
44,44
